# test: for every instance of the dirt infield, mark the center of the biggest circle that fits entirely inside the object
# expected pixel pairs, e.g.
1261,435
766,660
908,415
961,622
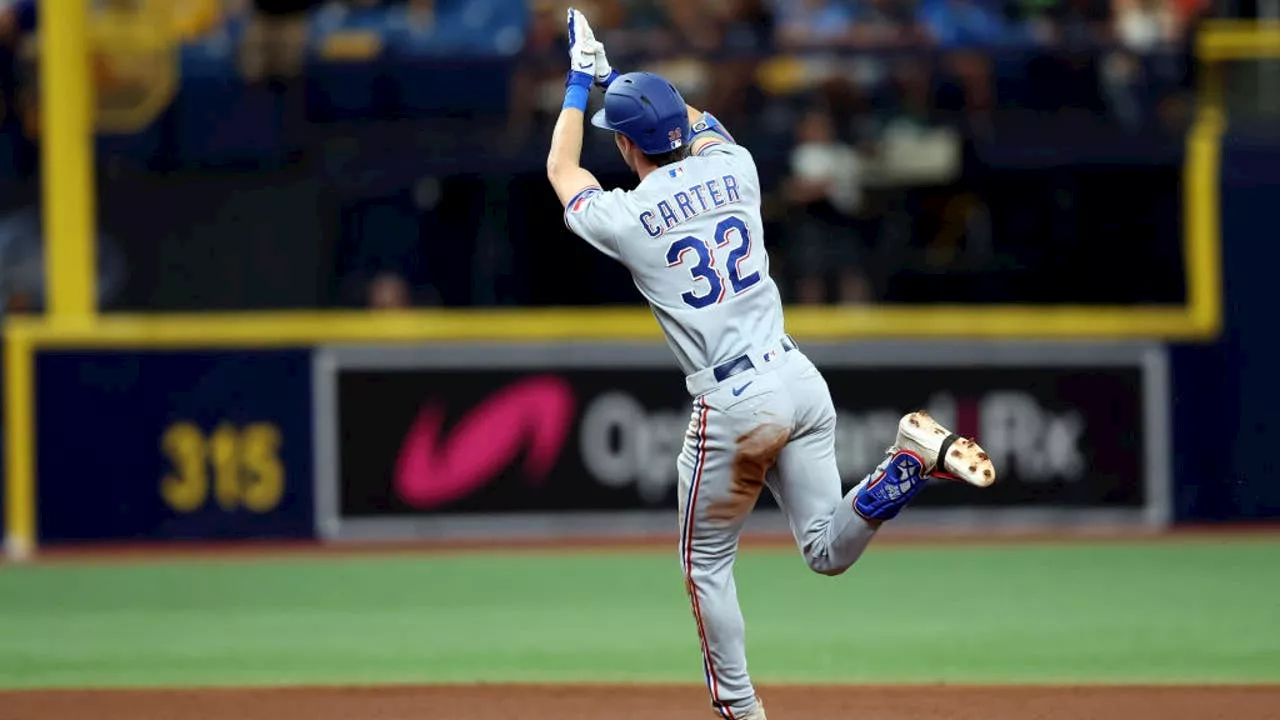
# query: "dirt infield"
491,702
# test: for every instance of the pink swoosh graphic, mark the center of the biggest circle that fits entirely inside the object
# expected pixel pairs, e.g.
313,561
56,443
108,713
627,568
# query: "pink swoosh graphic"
533,414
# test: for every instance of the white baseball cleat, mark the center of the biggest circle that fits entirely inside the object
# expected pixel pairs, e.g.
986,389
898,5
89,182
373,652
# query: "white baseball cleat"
944,453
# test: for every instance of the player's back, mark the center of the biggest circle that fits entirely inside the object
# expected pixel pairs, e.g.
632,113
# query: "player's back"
692,237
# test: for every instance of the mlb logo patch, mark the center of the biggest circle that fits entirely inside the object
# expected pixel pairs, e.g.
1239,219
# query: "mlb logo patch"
676,172
676,137
769,356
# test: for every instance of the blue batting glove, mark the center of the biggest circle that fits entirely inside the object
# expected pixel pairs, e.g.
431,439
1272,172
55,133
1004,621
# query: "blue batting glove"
582,62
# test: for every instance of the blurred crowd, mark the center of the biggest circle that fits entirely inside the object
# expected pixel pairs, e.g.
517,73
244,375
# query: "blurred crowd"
870,98
877,97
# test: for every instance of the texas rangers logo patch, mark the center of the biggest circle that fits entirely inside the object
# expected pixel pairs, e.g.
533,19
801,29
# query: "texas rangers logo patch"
580,202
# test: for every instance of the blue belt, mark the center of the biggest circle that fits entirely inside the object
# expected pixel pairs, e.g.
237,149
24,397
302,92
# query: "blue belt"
742,363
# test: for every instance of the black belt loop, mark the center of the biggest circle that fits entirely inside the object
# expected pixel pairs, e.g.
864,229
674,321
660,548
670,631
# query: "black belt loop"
742,363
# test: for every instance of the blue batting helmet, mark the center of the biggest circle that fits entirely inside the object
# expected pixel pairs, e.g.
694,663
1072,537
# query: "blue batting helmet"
648,110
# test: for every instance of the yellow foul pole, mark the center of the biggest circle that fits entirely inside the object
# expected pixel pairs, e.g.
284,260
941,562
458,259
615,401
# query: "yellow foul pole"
66,153
70,247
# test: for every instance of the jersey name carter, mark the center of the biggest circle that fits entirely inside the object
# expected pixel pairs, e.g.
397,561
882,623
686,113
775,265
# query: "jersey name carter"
691,235
690,204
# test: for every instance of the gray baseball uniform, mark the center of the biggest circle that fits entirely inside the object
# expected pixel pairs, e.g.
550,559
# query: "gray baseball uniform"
692,237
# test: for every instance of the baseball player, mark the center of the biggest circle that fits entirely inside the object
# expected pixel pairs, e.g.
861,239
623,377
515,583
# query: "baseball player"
690,233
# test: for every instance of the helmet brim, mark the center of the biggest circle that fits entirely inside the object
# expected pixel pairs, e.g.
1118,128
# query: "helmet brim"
600,121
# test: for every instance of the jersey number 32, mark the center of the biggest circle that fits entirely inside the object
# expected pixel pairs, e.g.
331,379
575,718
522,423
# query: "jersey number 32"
705,267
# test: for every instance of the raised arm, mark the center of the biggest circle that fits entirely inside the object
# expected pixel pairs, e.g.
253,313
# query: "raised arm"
564,161
564,170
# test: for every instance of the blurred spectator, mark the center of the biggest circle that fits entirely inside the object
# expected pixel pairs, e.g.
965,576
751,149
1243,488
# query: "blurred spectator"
811,25
538,76
17,108
414,24
17,17
273,54
421,14
1138,68
814,23
870,178
887,23
967,28
22,269
744,31
1064,73
675,38
194,19
908,147
275,40
1144,26
632,26
884,24
389,291
745,25
694,26
1063,22
907,123
825,234
964,23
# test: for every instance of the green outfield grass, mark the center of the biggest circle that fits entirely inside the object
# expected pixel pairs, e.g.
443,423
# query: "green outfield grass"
1186,611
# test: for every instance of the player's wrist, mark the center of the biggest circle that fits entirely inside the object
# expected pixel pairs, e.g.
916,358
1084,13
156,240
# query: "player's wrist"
577,89
606,81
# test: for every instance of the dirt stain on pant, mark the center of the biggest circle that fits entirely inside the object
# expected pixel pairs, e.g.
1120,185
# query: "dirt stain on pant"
754,453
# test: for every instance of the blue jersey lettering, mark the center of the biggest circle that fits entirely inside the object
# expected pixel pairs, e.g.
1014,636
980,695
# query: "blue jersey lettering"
668,217
731,188
697,191
717,198
686,206
646,219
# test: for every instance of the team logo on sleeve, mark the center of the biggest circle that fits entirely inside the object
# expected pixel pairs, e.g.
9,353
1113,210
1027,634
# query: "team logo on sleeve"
580,202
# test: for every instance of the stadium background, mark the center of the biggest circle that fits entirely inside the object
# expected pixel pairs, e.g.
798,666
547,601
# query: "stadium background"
276,272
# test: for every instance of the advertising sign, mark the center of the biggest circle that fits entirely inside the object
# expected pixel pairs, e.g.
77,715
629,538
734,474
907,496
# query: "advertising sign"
174,445
446,435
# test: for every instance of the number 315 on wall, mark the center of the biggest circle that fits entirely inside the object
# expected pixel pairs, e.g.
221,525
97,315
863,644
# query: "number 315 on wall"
244,463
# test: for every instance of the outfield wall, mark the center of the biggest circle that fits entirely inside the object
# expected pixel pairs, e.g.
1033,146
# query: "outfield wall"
517,440
1227,391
